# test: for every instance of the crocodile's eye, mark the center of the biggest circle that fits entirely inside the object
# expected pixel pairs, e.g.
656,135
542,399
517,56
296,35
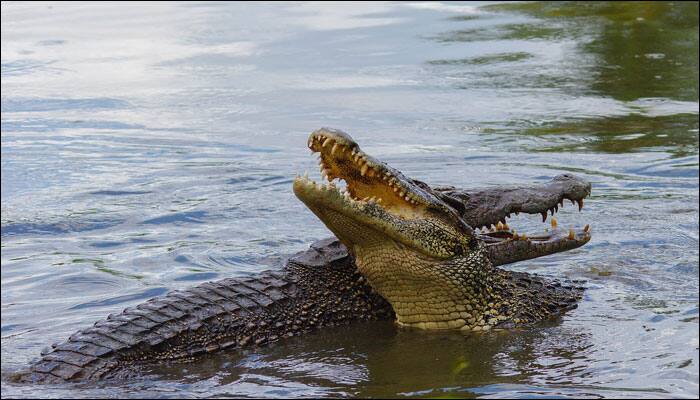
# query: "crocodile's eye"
458,250
473,243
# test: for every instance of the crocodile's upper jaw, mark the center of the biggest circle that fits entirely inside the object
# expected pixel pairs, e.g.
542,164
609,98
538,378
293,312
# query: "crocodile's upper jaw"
413,247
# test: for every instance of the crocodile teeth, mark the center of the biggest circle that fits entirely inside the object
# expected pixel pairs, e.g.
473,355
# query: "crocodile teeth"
326,142
580,204
544,216
571,234
587,228
335,147
363,170
499,226
554,222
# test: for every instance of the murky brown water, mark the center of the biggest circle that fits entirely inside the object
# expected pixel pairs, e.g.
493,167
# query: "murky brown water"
149,148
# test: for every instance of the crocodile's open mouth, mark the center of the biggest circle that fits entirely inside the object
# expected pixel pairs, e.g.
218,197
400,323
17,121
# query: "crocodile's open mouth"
372,187
368,181
500,232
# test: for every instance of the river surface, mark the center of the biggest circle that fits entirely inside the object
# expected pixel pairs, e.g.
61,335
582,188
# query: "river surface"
147,148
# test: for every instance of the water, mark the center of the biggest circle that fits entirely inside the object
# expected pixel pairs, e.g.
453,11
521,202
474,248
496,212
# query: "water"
152,147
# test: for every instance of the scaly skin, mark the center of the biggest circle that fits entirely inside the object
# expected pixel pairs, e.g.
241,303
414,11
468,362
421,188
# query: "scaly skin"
324,286
417,250
316,288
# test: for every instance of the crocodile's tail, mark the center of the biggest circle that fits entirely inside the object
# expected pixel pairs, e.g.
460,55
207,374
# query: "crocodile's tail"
316,288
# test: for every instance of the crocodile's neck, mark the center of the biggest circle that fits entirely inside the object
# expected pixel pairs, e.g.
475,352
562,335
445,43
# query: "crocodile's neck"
460,293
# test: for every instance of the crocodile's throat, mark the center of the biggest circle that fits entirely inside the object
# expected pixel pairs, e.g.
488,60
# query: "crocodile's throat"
412,245
455,294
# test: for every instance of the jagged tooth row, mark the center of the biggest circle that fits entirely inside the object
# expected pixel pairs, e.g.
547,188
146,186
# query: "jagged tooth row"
330,186
361,160
555,209
515,236
341,192
579,202
503,226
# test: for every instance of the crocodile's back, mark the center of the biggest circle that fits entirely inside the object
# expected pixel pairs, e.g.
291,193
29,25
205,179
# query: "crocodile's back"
180,325
314,289
530,298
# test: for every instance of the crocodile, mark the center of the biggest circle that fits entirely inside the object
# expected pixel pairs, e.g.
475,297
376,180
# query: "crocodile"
425,257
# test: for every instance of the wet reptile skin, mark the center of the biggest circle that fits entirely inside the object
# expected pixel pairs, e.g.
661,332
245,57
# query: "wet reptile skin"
325,286
316,288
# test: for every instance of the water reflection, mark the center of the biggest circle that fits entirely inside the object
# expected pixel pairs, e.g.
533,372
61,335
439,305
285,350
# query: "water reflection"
644,55
641,49
623,134
372,359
